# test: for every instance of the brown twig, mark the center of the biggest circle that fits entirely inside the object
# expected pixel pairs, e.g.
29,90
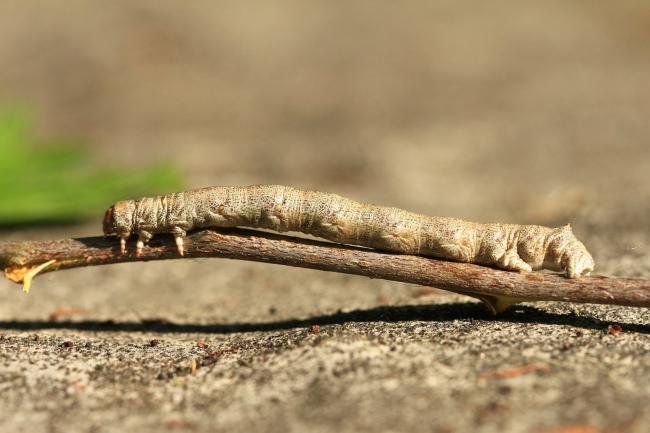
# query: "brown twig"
22,260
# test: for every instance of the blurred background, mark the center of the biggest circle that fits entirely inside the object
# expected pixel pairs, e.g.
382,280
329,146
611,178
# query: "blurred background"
503,110
511,111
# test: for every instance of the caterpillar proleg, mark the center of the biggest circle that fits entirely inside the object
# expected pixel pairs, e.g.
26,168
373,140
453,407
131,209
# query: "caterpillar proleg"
281,208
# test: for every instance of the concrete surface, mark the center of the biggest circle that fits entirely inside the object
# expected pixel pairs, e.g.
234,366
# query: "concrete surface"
509,111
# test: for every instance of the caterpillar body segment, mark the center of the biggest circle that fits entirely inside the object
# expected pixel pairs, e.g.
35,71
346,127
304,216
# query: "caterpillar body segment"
342,220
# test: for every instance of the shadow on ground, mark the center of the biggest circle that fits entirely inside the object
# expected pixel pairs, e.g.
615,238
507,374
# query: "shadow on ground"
431,313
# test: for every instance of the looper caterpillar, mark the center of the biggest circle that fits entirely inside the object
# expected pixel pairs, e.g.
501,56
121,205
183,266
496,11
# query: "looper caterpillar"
280,208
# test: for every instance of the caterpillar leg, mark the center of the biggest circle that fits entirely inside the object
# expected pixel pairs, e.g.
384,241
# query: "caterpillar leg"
582,265
504,257
143,238
122,245
512,262
179,235
460,252
179,245
577,262
566,253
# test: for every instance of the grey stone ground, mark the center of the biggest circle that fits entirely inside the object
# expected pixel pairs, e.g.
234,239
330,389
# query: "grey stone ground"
486,110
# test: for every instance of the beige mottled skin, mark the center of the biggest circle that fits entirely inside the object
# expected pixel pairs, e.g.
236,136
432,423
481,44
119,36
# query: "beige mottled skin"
339,219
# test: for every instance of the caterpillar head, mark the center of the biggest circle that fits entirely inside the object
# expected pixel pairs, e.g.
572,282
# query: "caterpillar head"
118,219
564,252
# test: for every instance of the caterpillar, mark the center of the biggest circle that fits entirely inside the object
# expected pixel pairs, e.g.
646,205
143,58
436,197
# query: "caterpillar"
280,208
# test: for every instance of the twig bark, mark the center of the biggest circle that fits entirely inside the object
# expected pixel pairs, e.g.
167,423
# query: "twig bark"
498,289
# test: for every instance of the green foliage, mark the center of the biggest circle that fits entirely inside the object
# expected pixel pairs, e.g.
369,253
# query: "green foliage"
54,182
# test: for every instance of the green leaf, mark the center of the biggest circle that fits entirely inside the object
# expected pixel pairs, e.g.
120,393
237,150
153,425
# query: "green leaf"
54,182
